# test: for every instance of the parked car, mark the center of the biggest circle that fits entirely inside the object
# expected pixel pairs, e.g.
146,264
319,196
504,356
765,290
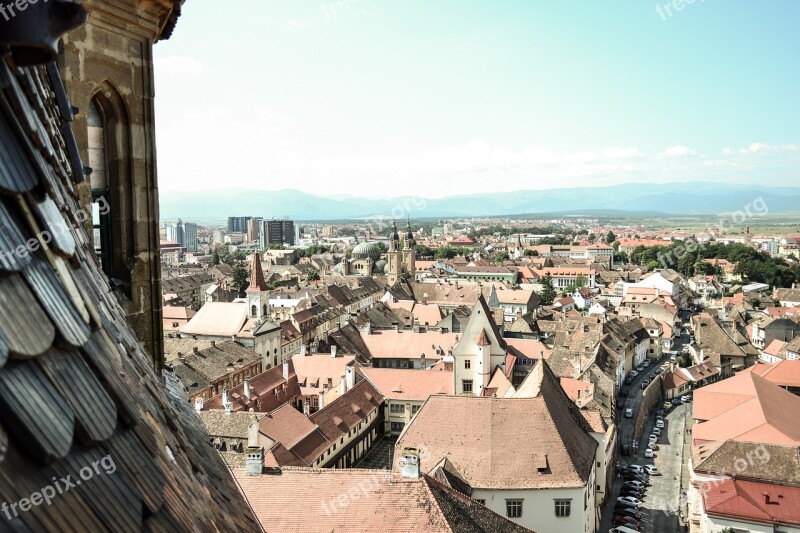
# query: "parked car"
630,513
660,424
686,398
652,470
636,501
631,493
667,405
635,476
626,505
645,383
626,521
623,529
653,446
640,367
633,373
656,430
628,413
635,484
623,393
626,449
649,453
638,468
628,380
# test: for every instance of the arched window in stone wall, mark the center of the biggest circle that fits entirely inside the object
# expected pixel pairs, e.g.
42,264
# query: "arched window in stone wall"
109,146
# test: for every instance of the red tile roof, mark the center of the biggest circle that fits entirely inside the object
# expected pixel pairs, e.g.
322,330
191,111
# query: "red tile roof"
754,501
484,439
368,501
760,412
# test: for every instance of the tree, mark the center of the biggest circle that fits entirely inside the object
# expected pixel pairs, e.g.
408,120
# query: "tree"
215,258
592,237
312,275
423,251
621,257
580,281
501,256
610,237
530,253
240,277
548,294
548,262
446,252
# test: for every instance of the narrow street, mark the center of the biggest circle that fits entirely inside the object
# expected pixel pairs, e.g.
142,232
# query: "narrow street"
662,500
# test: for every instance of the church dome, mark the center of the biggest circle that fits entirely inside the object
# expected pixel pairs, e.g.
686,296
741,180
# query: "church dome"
366,250
379,267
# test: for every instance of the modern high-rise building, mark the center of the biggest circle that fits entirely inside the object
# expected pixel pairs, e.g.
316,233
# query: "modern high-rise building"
183,233
238,224
255,230
190,236
279,232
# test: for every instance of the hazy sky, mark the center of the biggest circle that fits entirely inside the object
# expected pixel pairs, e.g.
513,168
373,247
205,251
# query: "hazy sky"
437,97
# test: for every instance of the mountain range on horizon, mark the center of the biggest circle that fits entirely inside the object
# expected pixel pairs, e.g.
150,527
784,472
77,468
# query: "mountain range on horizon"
677,198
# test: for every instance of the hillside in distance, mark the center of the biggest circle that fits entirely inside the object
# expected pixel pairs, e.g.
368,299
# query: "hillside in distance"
669,198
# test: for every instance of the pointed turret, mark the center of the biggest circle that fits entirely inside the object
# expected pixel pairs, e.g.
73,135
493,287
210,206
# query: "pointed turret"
257,283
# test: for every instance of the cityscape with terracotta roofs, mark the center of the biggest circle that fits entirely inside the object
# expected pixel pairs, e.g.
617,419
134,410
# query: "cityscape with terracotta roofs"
238,295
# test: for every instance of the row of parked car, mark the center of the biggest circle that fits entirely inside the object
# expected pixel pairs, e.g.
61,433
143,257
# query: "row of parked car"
627,509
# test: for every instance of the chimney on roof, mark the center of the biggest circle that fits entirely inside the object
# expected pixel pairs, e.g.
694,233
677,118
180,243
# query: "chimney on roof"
303,350
350,376
225,396
409,463
333,351
254,463
198,404
307,407
321,395
286,370
247,389
213,344
195,349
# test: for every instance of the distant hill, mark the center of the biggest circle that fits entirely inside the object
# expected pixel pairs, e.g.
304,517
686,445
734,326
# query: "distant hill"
669,198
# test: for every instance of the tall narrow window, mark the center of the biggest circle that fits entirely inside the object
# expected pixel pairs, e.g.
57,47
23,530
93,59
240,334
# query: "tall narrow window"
101,212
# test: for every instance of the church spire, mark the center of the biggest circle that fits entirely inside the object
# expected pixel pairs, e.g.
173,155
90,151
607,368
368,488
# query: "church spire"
257,283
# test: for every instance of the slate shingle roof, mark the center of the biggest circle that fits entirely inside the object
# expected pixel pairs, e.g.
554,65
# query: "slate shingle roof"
75,386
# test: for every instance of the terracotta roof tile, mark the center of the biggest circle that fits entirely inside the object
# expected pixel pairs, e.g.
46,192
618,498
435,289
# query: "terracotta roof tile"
448,425
364,500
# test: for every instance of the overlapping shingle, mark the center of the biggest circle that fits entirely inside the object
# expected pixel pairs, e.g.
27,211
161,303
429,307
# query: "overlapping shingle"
33,412
25,324
95,412
77,393
51,294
